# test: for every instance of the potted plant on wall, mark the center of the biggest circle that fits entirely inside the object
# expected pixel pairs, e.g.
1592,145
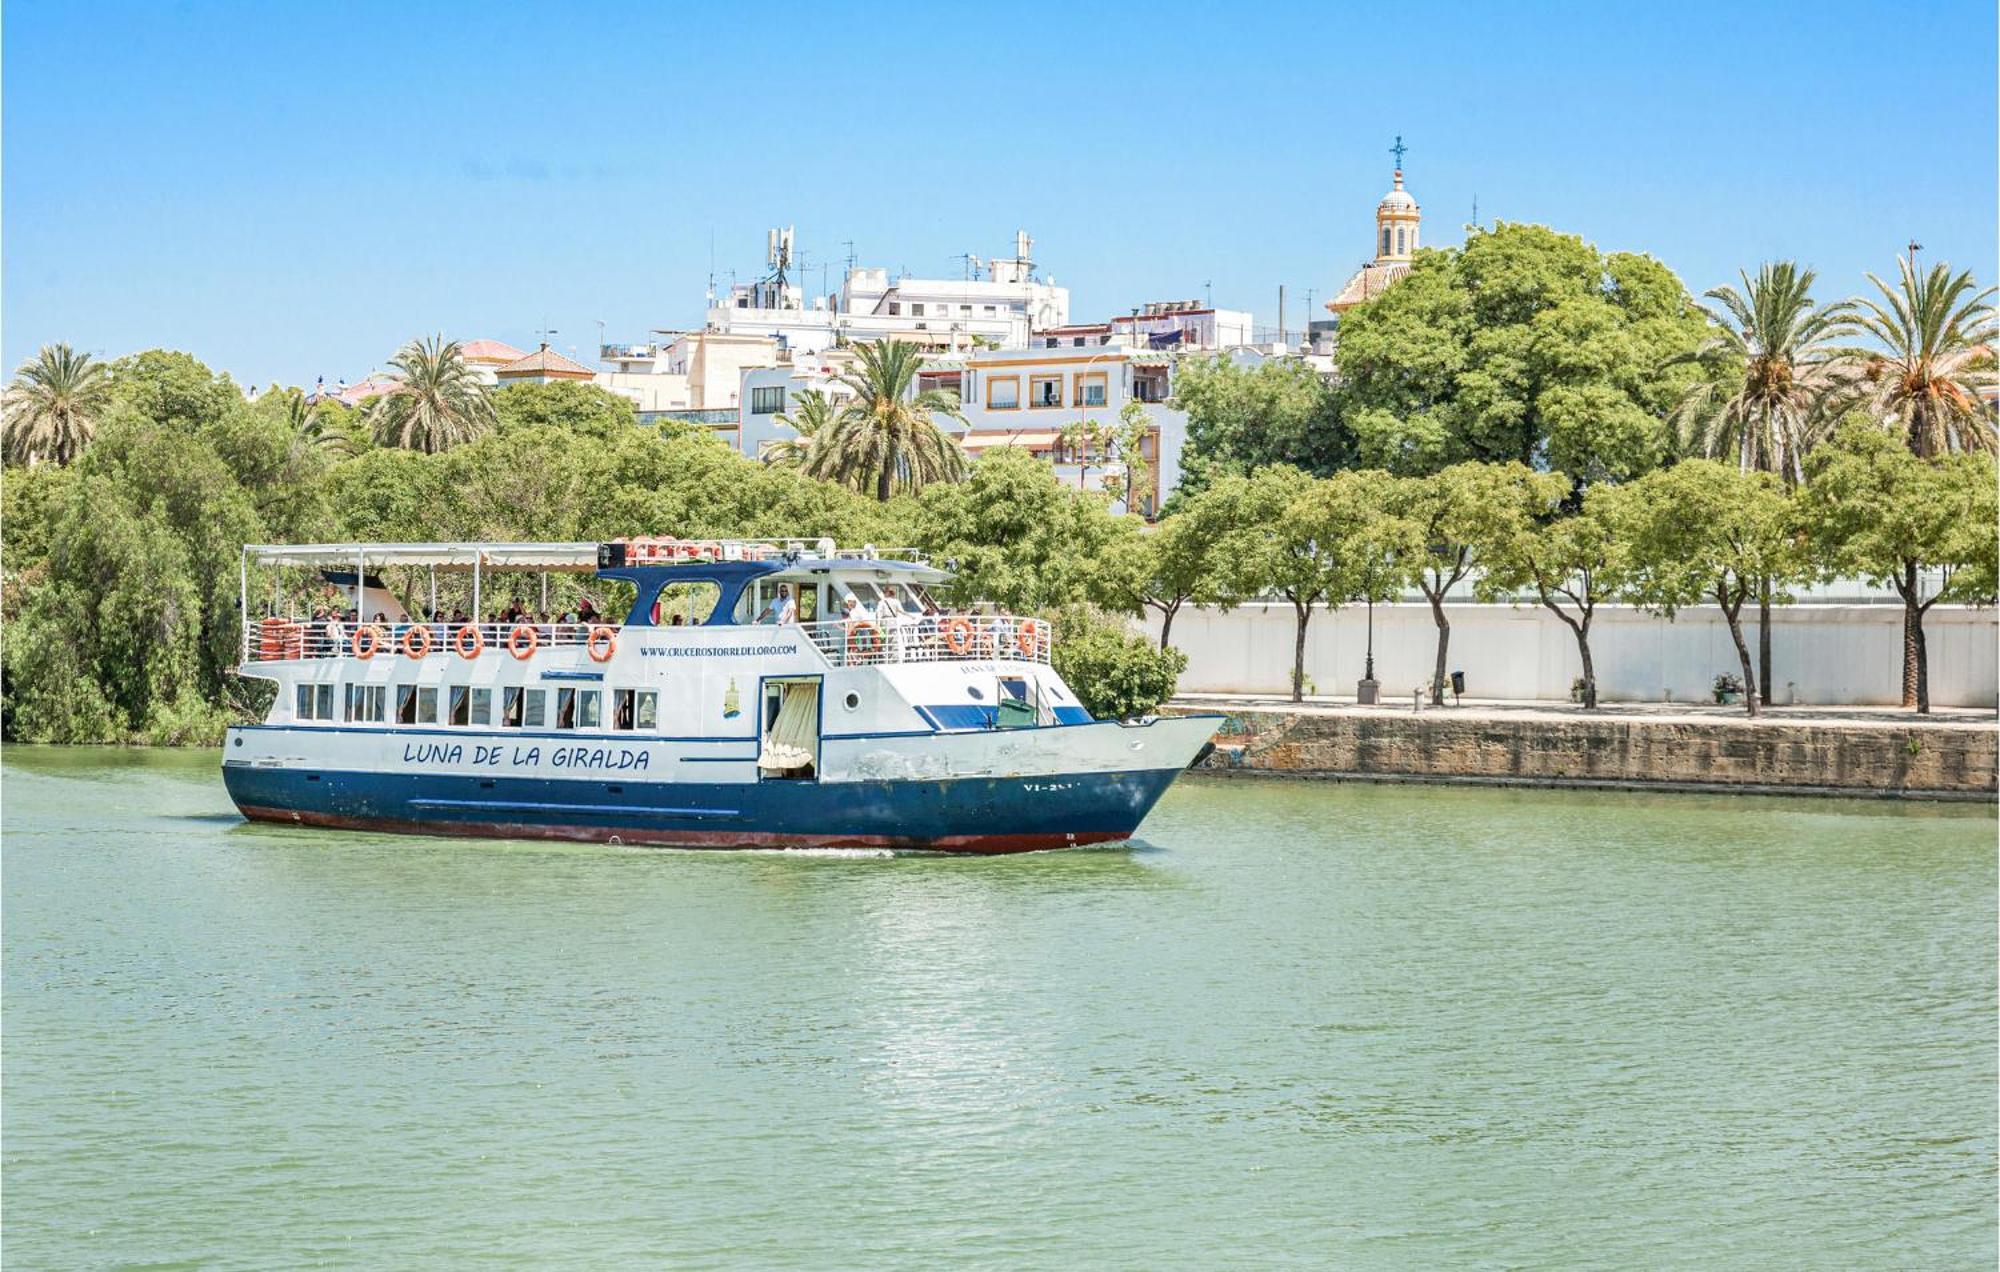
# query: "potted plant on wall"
1728,689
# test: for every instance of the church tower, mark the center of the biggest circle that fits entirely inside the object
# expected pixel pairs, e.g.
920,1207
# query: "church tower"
1397,220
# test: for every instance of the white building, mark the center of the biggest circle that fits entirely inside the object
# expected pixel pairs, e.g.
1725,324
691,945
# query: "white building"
999,303
1159,324
688,371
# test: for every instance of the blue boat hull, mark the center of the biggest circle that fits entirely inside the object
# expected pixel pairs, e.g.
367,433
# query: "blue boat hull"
972,814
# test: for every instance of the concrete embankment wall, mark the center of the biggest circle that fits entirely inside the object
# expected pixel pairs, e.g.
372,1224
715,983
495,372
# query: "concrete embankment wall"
1918,761
1821,653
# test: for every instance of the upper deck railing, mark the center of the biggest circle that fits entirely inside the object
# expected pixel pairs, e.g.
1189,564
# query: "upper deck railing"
857,642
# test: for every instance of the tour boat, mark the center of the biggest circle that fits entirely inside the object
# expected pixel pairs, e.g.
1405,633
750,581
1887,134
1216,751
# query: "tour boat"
758,694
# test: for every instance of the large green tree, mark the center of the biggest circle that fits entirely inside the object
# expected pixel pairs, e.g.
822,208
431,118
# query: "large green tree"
51,409
439,403
1573,562
1523,345
1879,511
1704,531
887,437
1452,513
1022,539
1244,416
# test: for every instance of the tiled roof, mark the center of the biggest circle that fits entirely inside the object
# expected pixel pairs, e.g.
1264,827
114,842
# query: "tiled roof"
546,361
1370,281
492,352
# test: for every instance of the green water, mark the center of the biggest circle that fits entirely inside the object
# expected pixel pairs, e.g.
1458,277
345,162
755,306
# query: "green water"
1313,1025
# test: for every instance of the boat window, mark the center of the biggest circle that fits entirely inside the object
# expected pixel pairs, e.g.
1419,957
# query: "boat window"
808,594
634,708
1014,688
565,708
754,604
691,603
482,706
460,705
314,702
586,709
510,707
406,704
367,704
427,705
534,712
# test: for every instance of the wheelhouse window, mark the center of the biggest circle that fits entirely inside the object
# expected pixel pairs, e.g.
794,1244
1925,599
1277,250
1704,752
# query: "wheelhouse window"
635,709
685,604
1003,392
1091,389
767,401
313,702
1044,391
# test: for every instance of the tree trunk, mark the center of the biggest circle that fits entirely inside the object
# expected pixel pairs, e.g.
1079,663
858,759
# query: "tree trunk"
1582,631
1912,636
1764,640
885,481
1167,613
1444,643
1734,615
1299,653
1915,618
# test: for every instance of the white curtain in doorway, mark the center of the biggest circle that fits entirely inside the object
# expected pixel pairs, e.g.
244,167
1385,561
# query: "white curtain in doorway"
793,740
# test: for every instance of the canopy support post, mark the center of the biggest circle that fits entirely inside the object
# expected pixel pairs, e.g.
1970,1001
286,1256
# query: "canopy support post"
545,591
434,593
475,584
360,578
243,582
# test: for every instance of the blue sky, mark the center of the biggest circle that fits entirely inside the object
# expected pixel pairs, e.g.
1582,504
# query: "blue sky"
294,190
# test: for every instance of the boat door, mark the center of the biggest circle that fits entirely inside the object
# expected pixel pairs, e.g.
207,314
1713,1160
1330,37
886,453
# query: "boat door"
788,727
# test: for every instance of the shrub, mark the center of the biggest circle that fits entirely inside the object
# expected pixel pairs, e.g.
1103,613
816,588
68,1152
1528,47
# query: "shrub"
1115,673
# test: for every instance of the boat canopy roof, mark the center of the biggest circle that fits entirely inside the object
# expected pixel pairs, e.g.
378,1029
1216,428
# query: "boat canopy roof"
580,558
792,556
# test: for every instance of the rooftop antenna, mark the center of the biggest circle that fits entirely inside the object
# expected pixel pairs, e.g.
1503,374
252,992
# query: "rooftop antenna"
711,268
1208,290
849,245
1475,209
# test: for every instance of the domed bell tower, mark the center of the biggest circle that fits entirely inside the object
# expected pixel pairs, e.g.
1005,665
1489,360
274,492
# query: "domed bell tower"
1397,217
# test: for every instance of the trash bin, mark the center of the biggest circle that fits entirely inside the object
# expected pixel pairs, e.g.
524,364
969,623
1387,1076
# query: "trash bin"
1457,683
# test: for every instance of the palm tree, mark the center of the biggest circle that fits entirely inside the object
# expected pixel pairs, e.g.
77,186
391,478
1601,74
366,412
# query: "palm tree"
52,406
815,412
1770,414
311,428
1784,343
440,402
1936,335
886,437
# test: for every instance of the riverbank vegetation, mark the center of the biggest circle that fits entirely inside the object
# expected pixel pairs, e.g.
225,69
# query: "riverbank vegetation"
1523,417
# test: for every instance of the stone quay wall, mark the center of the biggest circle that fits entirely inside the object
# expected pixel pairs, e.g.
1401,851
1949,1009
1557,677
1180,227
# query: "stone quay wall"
1776,757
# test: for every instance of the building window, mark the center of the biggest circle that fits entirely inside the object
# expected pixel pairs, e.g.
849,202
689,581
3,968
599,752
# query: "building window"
917,309
993,309
1076,342
965,310
1003,392
1385,240
767,401
1399,241
895,309
314,702
1091,389
1044,391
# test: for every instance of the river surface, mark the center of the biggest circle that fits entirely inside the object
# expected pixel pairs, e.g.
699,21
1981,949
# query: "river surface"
1312,1025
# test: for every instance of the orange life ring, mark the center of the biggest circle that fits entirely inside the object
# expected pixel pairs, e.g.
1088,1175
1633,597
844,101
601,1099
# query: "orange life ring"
1029,637
478,642
417,641
958,636
514,643
365,650
609,640
856,631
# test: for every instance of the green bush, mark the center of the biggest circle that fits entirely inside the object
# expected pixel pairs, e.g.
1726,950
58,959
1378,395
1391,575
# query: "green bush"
1116,673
